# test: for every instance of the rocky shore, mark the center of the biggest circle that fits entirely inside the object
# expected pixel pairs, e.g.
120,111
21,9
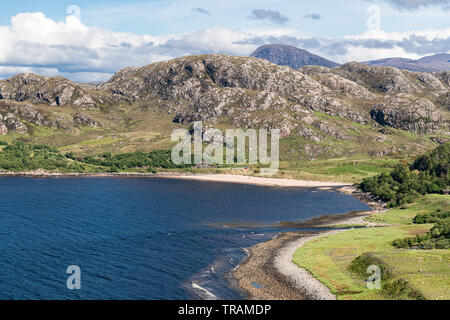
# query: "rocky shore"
269,273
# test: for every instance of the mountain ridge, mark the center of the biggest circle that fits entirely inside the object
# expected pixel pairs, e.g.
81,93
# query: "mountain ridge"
433,63
321,112
297,58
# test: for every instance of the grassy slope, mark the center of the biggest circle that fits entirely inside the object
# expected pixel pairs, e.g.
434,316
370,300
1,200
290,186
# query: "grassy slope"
428,271
342,169
146,127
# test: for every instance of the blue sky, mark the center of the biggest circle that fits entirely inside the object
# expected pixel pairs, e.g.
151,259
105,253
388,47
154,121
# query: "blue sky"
158,17
41,36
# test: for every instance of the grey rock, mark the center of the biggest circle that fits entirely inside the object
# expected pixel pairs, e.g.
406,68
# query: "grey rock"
54,91
82,119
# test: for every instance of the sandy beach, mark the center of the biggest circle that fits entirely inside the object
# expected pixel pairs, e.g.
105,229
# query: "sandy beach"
228,178
232,178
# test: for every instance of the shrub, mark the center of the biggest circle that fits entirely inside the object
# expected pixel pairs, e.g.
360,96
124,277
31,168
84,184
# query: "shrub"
399,289
437,238
431,217
360,264
390,288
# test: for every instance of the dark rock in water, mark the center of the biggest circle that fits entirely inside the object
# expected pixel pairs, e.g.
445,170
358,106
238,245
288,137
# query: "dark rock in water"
293,57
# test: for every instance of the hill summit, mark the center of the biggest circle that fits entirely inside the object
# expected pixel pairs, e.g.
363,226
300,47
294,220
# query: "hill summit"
290,56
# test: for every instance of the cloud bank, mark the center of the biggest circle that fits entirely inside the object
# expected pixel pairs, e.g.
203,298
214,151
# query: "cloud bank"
35,43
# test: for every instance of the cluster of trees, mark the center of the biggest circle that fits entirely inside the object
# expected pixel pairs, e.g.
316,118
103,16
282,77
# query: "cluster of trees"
437,238
437,162
25,157
124,161
428,174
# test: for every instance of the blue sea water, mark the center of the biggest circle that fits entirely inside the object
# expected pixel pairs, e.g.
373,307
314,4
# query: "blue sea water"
140,238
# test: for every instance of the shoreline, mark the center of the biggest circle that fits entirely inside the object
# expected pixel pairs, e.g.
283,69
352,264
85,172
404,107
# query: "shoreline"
268,273
206,177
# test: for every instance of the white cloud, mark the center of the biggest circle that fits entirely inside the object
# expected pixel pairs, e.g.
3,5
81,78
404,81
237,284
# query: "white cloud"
7,71
429,34
35,43
416,4
32,40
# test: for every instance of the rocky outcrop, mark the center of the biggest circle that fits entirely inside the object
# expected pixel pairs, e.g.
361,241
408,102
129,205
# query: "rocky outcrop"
209,87
380,79
384,79
427,81
26,112
444,77
15,115
55,91
3,127
419,115
344,86
11,123
82,119
194,76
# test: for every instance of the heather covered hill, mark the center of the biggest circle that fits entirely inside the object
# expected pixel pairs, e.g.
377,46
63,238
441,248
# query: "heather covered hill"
322,112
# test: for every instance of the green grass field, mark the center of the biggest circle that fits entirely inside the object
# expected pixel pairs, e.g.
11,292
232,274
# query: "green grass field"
427,271
406,213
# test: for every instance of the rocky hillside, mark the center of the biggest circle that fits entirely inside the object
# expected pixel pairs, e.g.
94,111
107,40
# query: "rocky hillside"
321,112
56,91
290,56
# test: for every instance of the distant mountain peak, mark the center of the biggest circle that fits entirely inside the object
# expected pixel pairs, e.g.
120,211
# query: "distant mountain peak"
434,63
290,56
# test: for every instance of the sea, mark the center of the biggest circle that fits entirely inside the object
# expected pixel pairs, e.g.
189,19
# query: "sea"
140,238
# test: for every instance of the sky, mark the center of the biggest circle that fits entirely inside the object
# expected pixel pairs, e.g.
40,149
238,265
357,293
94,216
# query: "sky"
90,40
